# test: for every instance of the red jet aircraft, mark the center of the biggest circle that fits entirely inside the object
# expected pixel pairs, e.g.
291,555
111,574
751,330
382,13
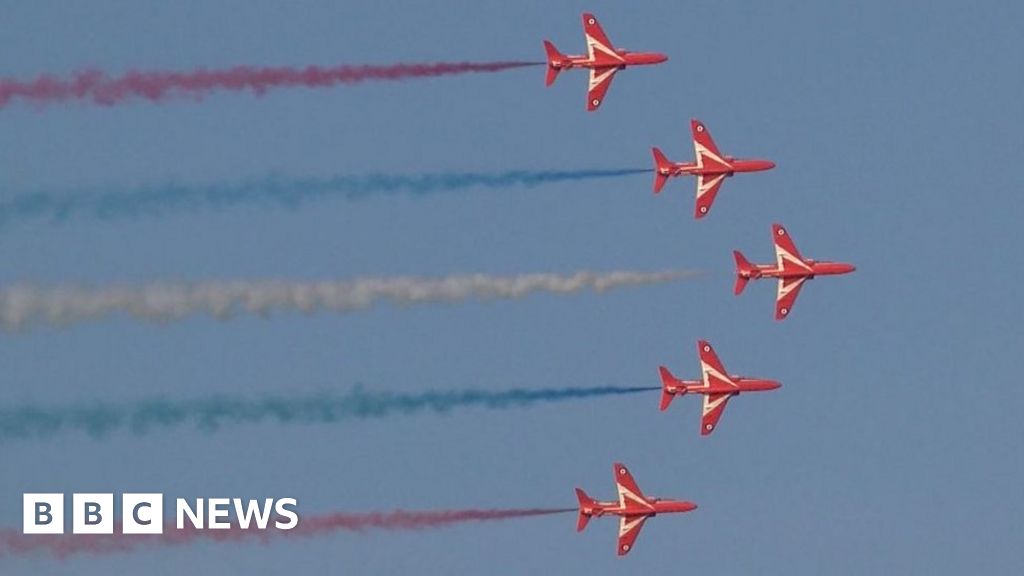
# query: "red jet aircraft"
633,508
711,168
603,60
717,386
790,268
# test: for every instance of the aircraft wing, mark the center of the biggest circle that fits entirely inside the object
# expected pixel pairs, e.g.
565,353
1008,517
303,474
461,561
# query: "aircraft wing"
712,370
705,150
707,188
789,289
714,405
787,257
600,81
629,529
599,47
626,486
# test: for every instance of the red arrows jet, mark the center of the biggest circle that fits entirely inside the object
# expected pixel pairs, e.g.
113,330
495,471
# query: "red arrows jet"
633,508
717,386
790,268
711,168
603,60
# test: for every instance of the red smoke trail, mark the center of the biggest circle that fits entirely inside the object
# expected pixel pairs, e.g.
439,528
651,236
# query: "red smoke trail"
403,520
13,542
155,86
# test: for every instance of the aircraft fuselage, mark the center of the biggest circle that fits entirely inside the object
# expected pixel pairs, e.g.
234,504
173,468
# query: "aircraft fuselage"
735,165
627,59
656,506
814,268
742,385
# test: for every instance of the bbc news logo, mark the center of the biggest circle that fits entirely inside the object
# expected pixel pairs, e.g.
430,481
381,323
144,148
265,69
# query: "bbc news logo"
144,514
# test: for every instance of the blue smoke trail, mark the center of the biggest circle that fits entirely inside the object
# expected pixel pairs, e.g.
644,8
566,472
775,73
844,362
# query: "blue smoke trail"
211,414
274,191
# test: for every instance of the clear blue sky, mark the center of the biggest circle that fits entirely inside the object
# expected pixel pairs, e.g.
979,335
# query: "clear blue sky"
894,445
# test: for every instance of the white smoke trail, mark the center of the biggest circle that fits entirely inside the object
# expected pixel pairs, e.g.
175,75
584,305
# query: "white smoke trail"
22,306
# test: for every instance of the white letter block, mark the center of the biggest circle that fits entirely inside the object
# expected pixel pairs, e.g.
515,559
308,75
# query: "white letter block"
92,514
142,513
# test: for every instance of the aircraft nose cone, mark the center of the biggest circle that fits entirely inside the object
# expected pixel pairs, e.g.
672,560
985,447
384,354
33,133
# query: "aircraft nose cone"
768,164
774,384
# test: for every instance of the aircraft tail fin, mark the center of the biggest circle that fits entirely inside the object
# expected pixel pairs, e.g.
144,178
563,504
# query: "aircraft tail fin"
585,502
553,56
661,169
670,386
744,270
